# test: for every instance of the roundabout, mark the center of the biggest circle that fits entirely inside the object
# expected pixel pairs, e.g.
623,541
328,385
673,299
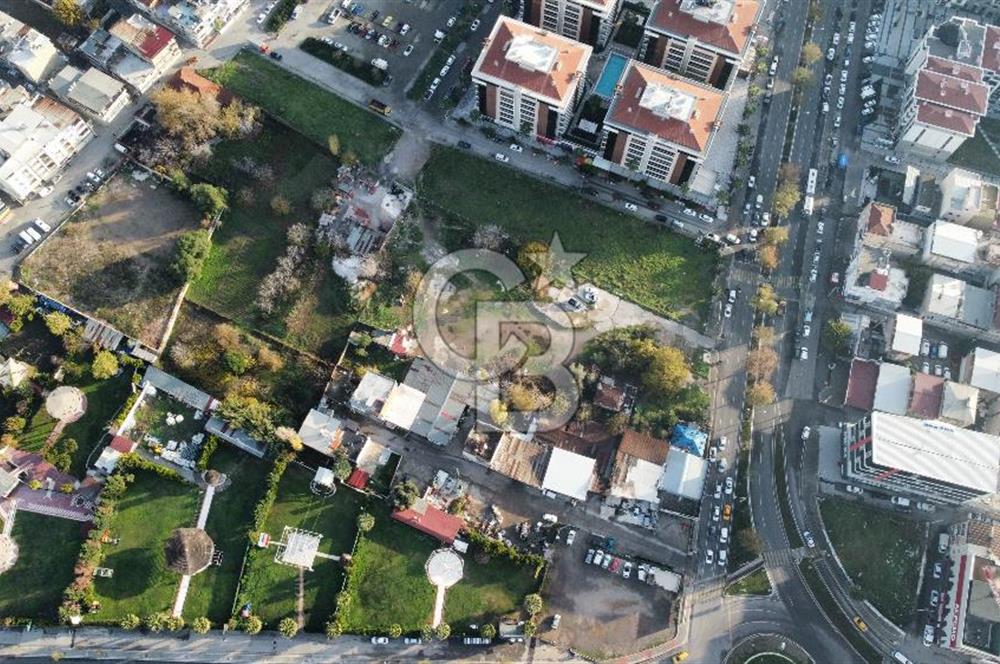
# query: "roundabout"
768,649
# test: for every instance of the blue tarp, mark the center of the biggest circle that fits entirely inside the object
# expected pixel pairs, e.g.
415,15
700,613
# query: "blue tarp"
689,438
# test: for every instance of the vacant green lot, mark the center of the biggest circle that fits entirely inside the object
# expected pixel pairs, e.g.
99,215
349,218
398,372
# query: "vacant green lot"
48,548
307,107
488,591
252,238
271,587
104,399
975,153
213,590
661,271
755,583
881,552
149,511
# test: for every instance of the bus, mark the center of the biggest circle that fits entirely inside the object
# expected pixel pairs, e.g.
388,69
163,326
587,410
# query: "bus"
811,181
807,206
379,107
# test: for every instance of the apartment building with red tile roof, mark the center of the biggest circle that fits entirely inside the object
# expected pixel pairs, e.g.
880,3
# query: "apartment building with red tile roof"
587,21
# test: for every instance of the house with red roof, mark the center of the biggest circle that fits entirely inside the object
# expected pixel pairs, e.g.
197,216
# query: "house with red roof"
148,41
660,124
587,21
529,79
430,520
703,41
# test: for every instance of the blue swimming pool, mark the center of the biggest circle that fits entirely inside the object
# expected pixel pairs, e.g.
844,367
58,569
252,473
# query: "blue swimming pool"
612,71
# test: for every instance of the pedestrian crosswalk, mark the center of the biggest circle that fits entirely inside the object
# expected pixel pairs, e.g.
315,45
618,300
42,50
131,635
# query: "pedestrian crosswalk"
750,276
779,557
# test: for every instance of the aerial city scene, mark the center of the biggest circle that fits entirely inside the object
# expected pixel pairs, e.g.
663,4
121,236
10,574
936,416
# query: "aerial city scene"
612,331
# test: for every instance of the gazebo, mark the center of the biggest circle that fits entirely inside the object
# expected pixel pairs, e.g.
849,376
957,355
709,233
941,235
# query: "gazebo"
66,404
8,553
189,550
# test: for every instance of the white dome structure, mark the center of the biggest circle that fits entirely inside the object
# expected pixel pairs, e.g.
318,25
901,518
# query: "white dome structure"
66,404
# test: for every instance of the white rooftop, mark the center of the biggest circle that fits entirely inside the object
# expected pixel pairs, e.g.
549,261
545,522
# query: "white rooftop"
323,477
298,548
684,474
569,474
667,102
402,406
321,432
907,334
719,11
953,241
527,52
638,481
936,450
371,393
985,370
892,391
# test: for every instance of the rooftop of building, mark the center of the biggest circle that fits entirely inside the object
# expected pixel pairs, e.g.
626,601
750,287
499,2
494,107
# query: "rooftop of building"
878,218
985,370
908,331
959,243
145,36
861,384
726,25
892,389
925,399
959,403
959,39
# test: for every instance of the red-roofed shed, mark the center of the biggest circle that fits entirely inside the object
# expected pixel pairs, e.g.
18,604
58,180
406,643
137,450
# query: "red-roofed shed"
431,521
861,384
123,444
358,479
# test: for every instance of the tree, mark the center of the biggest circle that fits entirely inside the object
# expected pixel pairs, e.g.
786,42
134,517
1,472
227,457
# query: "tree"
426,632
105,365
750,541
280,205
192,250
251,414
333,629
811,53
617,424
365,522
395,631
341,464
442,631
209,199
786,197
58,323
130,621
762,363
155,622
525,397
776,235
534,259
201,625
801,77
288,628
68,12
487,631
14,424
458,505
190,117
323,199
533,604
530,628
498,412
290,437
667,371
252,625
760,394
21,308
404,494
768,256
837,336
764,300
763,335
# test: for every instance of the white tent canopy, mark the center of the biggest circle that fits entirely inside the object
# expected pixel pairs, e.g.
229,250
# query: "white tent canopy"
569,474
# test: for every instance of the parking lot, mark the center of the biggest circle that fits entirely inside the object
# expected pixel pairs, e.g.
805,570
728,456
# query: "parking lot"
402,34
600,610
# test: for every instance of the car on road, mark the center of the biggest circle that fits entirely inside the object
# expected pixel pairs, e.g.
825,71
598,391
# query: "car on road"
380,640
751,182
689,212
806,330
407,50
641,573
710,557
759,201
728,311
934,598
718,490
732,239
499,156
723,554
855,490
819,227
729,486
723,441
722,465
412,641
803,353
806,432
727,512
707,218
860,624
680,657
938,570
627,570
891,159
571,537
590,557
276,56
631,207
732,296
514,147
928,635
713,454
810,542
716,513
712,237
465,145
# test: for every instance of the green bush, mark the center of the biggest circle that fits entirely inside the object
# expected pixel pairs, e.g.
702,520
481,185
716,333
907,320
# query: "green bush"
209,199
207,450
192,250
266,501
354,66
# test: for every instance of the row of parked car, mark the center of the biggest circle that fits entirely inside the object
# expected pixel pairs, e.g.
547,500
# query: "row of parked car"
614,564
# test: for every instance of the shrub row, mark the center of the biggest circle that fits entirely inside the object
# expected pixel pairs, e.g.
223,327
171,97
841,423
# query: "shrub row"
207,450
133,461
500,549
266,501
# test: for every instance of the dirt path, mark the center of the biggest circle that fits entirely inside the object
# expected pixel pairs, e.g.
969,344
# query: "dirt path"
53,437
300,600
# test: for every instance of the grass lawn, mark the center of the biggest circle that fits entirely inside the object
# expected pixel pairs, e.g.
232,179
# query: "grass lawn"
975,153
387,583
48,549
487,591
755,583
104,399
881,552
149,511
246,248
308,108
272,588
213,590
661,271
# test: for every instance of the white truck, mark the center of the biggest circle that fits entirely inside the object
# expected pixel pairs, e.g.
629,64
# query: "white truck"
380,63
943,541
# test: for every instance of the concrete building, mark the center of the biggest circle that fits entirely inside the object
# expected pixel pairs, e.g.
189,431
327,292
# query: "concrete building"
661,125
701,40
587,21
967,200
971,616
959,304
38,137
198,21
148,41
959,404
951,247
872,278
135,51
946,91
880,228
927,459
892,388
638,467
530,80
27,50
569,474
904,334
92,92
981,369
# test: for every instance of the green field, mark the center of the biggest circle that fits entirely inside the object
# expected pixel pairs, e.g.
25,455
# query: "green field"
975,153
488,591
755,583
252,238
661,271
213,590
881,552
272,588
48,548
148,512
308,108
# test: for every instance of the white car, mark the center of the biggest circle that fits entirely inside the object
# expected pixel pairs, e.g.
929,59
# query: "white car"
843,76
891,159
751,182
806,330
759,201
723,441
598,557
42,226
716,511
451,60
627,569
813,273
380,640
407,50
806,432
707,218
710,557
840,103
499,156
451,21
854,490
728,311
689,212
831,54
474,25
803,353
819,227
810,542
444,71
570,537
718,490
631,207
514,147
261,18
732,239
729,486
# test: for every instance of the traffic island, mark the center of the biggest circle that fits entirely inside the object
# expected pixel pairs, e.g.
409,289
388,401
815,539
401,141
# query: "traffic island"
768,649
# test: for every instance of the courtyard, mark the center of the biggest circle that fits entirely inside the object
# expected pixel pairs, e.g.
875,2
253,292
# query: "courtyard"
112,259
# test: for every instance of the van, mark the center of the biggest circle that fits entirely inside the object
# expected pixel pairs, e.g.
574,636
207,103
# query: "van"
943,541
380,63
678,225
901,658
899,501
27,239
41,225
942,351
808,316
438,36
724,535
928,635
867,91
33,233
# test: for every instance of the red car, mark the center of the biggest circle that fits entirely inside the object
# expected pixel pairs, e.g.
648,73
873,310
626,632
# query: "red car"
615,564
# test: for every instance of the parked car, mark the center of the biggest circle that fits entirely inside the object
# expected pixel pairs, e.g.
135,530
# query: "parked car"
716,513
718,490
589,558
938,570
474,25
689,212
710,557
855,490
806,432
627,570
380,640
631,207
465,145
408,50
499,156
728,311
570,537
598,557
